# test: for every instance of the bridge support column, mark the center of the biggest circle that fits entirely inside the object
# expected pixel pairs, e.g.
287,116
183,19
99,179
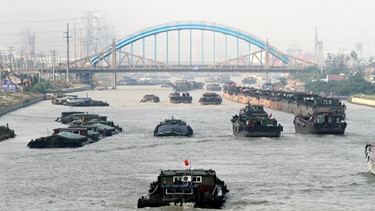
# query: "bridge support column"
113,81
113,64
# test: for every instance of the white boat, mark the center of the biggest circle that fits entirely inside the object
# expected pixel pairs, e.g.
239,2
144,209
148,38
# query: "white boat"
370,157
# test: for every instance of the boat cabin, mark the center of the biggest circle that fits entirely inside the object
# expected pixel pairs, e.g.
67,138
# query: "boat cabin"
79,131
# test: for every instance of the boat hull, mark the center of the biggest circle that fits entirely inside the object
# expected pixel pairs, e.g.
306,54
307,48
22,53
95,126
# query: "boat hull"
306,127
248,131
173,130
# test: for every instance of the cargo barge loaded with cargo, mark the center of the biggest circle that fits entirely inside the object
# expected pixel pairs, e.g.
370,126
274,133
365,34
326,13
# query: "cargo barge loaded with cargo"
298,103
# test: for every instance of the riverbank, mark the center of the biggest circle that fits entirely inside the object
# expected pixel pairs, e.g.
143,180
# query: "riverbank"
361,99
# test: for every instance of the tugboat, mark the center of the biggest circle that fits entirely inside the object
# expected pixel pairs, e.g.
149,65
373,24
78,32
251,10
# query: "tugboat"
320,123
150,98
200,187
370,156
177,97
253,121
210,98
173,127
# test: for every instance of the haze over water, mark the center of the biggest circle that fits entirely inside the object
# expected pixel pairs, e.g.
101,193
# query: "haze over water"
293,172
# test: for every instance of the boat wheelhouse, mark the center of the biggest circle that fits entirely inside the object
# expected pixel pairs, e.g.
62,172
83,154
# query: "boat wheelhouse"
198,186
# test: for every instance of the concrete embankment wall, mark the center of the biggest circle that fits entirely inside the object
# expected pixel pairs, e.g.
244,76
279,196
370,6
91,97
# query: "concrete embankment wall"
21,105
361,101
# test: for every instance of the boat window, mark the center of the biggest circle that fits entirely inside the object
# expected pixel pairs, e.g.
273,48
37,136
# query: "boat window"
179,191
197,179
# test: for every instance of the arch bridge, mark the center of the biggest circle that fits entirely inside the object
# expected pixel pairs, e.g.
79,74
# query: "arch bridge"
183,46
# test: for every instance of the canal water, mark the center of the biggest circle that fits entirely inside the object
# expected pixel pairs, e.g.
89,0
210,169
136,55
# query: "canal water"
293,172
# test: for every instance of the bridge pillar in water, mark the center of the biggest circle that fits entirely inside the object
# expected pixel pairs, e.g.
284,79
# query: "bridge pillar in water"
267,60
113,64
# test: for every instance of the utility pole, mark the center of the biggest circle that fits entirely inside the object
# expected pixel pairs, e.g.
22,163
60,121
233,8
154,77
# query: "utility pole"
67,52
53,64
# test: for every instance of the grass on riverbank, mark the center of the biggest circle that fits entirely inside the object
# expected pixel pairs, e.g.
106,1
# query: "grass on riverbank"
363,96
11,98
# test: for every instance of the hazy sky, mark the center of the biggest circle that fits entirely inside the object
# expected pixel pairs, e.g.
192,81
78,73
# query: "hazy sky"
285,23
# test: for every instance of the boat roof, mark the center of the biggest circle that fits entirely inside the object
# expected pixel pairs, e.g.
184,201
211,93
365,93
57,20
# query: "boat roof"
70,135
168,172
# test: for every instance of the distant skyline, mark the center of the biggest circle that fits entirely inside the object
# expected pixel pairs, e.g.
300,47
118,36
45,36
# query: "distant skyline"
286,24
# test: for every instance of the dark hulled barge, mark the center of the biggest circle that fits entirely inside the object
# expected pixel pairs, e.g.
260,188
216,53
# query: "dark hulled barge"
210,98
180,97
173,127
319,123
200,187
253,121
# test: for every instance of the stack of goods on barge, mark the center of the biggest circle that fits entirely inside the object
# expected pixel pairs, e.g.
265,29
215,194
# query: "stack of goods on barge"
6,133
253,121
213,87
200,187
150,99
78,101
178,97
83,129
173,127
61,140
293,102
210,98
370,156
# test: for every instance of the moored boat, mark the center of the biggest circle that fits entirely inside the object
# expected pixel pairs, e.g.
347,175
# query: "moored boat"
370,156
6,133
210,98
178,97
253,121
200,187
319,123
173,127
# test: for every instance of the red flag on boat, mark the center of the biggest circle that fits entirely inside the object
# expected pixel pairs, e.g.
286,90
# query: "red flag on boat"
269,116
186,162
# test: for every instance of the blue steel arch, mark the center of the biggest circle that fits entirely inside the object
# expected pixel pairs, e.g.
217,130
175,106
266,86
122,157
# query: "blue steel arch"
194,26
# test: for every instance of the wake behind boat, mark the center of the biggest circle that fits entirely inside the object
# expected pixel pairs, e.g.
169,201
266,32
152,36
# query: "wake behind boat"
173,127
